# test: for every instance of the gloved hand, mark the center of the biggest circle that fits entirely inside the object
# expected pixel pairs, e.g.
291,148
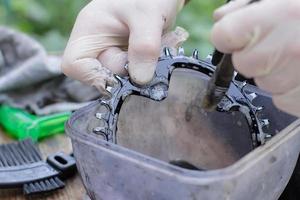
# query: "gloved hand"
264,40
105,30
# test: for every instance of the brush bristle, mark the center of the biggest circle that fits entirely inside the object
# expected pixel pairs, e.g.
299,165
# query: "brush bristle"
21,153
43,186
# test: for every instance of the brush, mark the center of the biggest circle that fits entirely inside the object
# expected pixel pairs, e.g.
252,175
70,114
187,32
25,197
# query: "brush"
21,165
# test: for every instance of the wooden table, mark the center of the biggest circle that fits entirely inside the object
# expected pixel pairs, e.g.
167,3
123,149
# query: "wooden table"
74,189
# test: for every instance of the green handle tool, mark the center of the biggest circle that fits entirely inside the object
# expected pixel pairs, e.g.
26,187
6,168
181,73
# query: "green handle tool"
21,124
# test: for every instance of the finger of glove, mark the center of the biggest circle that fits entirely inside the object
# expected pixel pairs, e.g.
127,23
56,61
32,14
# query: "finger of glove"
144,47
282,78
90,71
289,102
114,59
174,39
80,57
273,64
246,26
99,77
228,8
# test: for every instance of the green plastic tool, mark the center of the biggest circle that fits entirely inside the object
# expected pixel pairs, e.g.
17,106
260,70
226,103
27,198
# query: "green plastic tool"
21,124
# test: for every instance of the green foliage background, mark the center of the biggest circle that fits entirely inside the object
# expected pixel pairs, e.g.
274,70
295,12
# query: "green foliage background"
50,21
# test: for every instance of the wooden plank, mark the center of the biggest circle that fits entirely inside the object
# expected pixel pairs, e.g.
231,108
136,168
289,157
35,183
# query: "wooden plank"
74,189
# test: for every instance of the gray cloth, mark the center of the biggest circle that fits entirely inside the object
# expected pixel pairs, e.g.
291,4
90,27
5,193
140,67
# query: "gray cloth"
32,80
23,61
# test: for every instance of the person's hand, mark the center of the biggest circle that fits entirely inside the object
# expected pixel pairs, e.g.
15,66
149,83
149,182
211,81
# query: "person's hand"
108,34
264,38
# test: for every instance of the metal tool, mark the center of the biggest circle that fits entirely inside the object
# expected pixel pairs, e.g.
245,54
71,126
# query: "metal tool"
220,82
236,99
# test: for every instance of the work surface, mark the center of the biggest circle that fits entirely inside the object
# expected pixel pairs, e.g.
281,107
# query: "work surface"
74,189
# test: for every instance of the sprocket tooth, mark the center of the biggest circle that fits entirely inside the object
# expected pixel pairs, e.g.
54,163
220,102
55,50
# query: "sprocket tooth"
99,115
167,52
241,85
252,96
126,66
209,58
265,122
235,73
98,130
268,136
259,109
181,51
196,54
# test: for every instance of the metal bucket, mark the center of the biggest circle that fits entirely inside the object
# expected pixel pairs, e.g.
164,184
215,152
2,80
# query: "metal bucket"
174,150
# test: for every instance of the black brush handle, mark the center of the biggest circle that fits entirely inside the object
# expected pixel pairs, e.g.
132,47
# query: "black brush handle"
221,80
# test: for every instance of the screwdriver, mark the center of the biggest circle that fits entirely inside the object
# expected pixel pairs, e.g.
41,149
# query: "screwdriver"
221,79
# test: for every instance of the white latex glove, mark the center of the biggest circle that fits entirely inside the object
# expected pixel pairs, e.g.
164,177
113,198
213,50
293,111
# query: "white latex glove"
264,38
105,30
